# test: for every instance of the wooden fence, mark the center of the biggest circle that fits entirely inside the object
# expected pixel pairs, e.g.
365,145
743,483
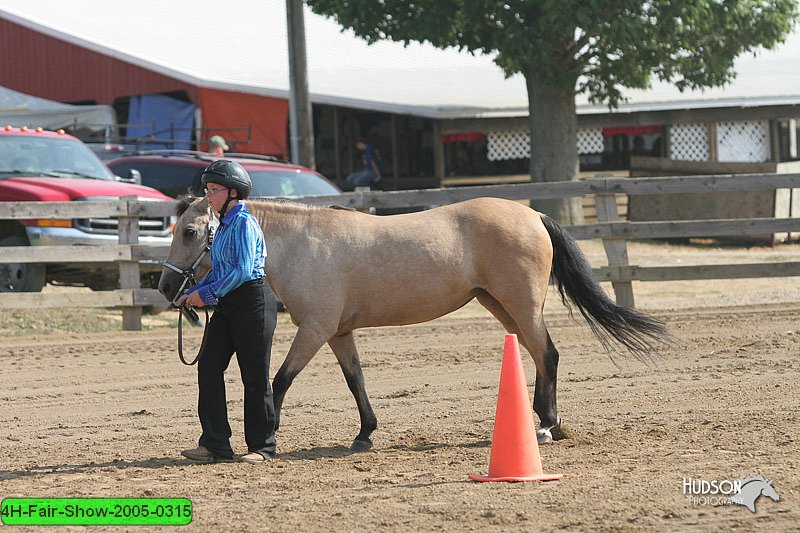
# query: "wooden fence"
613,231
127,253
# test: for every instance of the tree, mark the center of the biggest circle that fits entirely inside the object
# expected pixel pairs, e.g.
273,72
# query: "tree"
567,47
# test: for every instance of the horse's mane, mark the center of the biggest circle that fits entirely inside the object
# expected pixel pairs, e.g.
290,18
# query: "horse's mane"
749,479
259,204
282,206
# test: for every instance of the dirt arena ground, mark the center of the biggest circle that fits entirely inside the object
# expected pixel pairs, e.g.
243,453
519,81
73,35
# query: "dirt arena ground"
105,415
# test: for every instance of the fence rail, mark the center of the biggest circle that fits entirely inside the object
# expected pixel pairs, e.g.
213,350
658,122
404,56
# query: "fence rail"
613,231
566,189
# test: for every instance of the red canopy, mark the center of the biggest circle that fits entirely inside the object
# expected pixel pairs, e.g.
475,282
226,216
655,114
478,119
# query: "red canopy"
632,130
469,137
268,117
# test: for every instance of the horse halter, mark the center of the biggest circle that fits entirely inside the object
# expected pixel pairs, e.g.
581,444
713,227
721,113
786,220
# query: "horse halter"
188,274
188,278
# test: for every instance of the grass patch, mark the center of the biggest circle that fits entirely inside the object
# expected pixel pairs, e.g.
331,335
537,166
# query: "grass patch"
20,322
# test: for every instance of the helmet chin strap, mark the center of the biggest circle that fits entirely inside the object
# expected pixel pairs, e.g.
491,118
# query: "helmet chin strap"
225,205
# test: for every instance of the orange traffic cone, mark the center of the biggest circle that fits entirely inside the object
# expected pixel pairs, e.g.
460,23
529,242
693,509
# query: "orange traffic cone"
515,451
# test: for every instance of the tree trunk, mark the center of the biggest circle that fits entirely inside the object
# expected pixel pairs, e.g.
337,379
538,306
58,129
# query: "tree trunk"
554,154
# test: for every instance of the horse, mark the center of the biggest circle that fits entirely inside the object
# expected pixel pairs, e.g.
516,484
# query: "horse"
338,270
752,487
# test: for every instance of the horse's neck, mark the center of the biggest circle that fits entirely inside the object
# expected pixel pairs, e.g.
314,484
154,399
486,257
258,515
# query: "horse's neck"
754,487
281,223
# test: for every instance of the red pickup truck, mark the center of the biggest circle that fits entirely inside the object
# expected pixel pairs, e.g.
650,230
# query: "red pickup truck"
46,166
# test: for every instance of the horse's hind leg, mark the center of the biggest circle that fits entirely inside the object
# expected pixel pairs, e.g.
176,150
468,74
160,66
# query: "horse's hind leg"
532,334
344,346
544,396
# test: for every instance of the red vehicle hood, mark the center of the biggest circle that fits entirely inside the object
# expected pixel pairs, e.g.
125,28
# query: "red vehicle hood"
67,189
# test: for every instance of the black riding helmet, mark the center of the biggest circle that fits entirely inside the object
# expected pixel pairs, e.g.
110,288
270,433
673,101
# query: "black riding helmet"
229,174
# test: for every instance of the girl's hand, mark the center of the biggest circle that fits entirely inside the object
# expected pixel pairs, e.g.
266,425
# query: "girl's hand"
193,300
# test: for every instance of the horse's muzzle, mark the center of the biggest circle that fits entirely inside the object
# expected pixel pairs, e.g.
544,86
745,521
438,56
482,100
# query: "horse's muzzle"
169,284
172,286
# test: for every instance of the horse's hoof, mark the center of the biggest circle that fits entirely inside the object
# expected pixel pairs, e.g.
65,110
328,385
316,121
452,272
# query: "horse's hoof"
361,445
558,431
543,435
547,435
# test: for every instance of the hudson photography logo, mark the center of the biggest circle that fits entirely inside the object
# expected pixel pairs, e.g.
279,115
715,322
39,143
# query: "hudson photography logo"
744,491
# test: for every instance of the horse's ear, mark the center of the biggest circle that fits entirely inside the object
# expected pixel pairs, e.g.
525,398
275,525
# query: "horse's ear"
183,204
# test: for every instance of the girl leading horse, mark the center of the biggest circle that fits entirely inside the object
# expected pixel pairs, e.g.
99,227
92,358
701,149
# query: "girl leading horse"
337,271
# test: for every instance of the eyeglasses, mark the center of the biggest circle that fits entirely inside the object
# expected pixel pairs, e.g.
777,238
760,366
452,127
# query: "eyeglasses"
211,192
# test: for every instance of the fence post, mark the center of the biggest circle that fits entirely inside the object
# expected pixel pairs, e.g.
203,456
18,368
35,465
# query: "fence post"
362,204
616,248
129,270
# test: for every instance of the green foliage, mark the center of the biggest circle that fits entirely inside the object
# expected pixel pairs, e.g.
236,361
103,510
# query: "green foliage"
592,46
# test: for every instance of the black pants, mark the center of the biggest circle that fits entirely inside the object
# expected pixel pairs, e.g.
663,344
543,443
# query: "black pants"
244,322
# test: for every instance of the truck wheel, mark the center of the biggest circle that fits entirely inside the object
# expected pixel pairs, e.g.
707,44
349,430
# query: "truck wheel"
20,277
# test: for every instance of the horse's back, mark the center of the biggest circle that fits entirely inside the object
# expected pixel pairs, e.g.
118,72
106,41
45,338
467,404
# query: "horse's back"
496,225
495,213
453,234
483,244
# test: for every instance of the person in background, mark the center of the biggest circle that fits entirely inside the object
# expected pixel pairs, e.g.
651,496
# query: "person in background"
373,170
655,151
638,146
217,146
243,322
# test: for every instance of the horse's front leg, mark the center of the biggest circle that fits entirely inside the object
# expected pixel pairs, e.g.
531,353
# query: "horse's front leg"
307,342
344,346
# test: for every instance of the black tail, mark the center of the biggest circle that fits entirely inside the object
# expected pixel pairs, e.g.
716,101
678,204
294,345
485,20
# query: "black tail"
638,332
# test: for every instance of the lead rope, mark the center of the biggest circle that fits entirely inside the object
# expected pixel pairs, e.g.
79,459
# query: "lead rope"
193,316
188,277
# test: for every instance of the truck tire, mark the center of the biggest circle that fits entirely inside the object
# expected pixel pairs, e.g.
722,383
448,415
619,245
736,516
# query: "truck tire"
20,277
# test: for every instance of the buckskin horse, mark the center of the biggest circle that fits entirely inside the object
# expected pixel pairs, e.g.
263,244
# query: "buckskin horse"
339,270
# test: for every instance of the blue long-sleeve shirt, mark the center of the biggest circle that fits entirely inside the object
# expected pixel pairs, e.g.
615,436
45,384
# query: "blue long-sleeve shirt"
370,155
237,255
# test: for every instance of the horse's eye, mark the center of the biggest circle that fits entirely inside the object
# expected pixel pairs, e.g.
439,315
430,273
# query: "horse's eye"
189,233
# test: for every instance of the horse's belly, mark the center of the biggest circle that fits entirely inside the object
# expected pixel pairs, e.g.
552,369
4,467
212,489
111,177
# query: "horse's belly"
407,310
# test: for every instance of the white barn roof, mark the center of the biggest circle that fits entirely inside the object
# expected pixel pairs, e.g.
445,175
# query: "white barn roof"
242,46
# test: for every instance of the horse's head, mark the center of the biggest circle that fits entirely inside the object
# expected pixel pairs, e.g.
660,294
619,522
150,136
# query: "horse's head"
752,487
188,258
768,491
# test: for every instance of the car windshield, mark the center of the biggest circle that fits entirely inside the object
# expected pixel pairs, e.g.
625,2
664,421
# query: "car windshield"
29,155
289,183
